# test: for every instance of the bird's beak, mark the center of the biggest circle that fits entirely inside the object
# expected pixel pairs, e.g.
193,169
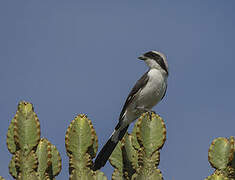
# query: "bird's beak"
142,58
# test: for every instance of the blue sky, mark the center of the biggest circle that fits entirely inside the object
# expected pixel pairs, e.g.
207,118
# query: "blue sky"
71,57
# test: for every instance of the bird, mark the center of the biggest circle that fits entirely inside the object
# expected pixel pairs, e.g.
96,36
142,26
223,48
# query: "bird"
146,93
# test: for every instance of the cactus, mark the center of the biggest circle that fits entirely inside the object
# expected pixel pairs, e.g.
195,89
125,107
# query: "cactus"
49,160
221,157
81,145
33,158
137,155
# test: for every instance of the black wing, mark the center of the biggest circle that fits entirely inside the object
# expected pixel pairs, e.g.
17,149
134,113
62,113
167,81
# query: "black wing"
164,93
140,84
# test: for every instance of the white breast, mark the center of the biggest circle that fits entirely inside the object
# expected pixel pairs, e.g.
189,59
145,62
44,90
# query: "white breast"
148,97
154,90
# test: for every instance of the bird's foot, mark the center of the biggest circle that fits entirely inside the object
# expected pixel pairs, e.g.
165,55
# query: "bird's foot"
150,114
149,111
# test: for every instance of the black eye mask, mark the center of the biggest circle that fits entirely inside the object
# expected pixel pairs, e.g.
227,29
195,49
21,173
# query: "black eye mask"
157,58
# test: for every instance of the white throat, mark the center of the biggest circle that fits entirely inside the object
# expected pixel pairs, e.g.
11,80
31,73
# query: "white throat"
152,64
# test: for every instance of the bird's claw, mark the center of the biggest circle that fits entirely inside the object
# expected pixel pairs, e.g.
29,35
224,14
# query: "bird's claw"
149,111
150,114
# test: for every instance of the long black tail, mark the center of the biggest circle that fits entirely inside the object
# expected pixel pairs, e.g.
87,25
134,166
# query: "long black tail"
107,149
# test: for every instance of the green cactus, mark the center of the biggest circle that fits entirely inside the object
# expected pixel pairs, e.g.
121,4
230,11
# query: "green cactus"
49,160
137,155
81,144
221,157
33,158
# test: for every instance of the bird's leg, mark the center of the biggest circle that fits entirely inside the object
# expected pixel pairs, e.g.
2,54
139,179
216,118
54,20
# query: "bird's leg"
149,111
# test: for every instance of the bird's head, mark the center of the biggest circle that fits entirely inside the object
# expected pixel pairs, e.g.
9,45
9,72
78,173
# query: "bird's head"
156,60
